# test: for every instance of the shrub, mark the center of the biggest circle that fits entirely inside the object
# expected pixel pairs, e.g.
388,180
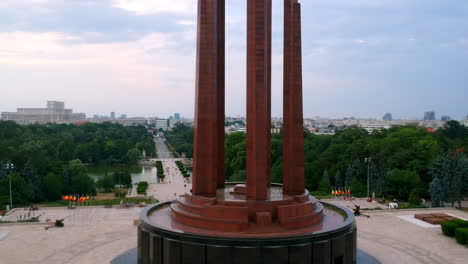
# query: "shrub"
414,198
449,227
461,235
460,223
142,186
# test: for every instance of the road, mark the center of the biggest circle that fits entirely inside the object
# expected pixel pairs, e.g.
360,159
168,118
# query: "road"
162,149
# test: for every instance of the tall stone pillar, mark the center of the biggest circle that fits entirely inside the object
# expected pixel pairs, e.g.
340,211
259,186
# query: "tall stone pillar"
208,148
258,98
293,131
221,89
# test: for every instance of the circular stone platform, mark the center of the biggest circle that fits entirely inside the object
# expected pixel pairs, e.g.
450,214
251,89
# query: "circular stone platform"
229,229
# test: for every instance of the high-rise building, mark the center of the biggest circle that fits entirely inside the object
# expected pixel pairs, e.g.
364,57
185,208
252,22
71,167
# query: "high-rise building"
387,117
466,117
113,115
445,118
176,116
54,113
429,115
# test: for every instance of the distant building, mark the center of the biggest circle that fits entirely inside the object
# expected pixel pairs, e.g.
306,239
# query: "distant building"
445,118
123,116
466,117
132,121
113,115
54,113
176,116
371,125
430,115
387,117
161,124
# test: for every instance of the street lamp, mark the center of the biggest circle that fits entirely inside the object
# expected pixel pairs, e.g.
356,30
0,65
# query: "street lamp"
10,166
368,161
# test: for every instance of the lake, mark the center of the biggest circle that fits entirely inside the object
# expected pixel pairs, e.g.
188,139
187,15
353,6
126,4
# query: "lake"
138,173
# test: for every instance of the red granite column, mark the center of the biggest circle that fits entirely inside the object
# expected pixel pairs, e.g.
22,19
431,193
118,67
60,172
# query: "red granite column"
221,88
258,98
293,132
209,102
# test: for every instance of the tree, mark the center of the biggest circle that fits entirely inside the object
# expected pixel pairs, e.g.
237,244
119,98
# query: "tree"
339,181
324,185
52,187
352,172
238,176
453,130
19,189
80,181
402,182
134,156
107,183
436,190
33,180
449,174
414,197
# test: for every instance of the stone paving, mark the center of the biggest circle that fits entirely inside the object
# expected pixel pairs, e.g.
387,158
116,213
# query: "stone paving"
92,235
174,185
98,235
391,239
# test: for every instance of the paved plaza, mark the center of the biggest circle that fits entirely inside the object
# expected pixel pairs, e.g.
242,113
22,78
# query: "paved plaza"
90,235
97,235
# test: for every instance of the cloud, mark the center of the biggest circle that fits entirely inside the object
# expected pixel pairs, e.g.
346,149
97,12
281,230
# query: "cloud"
146,7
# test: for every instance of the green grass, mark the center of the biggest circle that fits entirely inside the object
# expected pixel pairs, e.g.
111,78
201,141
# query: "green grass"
464,209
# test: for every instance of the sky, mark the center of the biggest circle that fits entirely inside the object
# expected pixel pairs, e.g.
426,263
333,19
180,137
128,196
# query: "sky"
361,58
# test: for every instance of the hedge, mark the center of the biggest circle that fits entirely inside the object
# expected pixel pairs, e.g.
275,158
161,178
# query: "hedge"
160,169
142,187
461,235
449,227
182,169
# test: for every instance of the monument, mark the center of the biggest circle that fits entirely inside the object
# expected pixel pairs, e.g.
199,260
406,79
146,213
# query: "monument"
256,221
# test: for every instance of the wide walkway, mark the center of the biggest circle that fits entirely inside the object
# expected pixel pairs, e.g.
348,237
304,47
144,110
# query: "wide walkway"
174,183
100,234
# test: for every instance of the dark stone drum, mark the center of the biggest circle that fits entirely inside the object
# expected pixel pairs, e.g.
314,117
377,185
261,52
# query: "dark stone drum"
159,241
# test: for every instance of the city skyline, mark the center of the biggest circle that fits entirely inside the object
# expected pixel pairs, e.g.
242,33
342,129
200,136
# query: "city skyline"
361,58
115,114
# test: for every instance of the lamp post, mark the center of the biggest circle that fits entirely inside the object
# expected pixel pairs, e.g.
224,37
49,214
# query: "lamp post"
368,161
10,166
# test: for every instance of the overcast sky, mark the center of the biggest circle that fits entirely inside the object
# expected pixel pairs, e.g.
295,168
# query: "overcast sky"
362,58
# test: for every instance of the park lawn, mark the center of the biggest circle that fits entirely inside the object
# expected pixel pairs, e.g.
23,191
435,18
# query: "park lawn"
104,196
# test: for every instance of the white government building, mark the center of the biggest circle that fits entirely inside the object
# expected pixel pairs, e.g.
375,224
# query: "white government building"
54,113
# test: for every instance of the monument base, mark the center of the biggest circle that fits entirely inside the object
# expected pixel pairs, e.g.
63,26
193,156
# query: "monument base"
162,241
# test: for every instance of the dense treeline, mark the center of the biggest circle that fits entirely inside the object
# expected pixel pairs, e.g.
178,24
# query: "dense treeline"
50,159
399,160
181,139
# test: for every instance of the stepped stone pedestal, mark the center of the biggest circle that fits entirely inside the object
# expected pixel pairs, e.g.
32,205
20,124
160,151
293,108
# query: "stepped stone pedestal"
231,229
